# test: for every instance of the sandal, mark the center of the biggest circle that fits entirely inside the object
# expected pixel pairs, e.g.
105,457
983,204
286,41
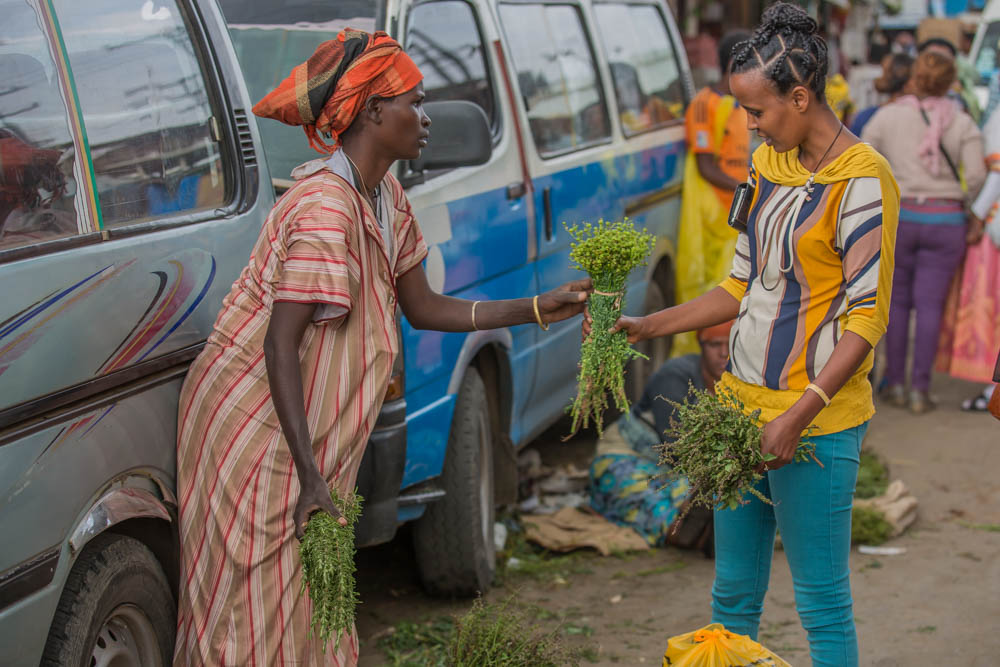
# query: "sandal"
978,404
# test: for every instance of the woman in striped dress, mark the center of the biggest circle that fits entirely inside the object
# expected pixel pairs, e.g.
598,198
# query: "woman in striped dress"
279,406
809,289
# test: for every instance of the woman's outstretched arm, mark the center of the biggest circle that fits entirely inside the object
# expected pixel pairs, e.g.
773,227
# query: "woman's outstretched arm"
713,307
426,309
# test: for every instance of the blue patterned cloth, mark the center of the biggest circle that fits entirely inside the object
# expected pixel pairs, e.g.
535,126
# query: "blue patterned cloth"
633,491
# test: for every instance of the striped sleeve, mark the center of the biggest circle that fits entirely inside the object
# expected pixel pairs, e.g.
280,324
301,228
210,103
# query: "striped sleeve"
867,269
317,266
739,277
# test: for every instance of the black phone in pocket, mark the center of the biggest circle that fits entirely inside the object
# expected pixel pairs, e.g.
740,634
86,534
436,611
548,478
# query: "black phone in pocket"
739,212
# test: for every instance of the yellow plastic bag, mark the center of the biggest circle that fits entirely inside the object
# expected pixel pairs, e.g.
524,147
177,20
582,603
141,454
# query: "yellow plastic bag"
714,646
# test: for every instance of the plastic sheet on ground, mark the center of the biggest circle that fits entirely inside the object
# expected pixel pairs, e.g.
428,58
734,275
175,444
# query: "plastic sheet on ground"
572,528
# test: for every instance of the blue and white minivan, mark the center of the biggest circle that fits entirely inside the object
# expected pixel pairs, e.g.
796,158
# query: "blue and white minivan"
585,102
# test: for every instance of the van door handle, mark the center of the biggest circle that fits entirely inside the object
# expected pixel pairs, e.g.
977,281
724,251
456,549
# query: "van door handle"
516,190
547,204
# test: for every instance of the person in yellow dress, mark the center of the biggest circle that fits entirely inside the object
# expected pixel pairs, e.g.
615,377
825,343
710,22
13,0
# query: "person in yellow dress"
718,160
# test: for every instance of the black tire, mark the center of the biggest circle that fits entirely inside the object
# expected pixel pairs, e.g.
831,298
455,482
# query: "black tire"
639,371
116,608
453,540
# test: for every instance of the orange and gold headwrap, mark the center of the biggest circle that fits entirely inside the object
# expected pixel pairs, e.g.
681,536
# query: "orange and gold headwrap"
325,93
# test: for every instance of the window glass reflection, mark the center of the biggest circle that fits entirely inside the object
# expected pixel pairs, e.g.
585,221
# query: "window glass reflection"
644,69
556,75
37,156
443,40
145,108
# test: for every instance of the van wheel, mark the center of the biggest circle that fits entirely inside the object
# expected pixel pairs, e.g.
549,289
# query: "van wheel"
639,371
116,609
454,538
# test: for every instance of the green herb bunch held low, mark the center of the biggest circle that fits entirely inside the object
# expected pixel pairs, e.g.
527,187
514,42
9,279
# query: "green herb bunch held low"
327,554
608,252
716,446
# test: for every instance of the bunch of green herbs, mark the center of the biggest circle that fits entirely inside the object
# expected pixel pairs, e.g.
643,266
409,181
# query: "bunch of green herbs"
869,526
873,476
502,636
327,554
716,446
608,252
499,635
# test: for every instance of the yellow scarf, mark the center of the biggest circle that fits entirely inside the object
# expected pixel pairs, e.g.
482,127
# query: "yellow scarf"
858,161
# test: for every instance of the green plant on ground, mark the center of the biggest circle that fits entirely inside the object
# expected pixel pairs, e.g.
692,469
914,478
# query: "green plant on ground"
327,555
986,527
412,644
498,635
502,636
608,252
716,446
869,526
536,562
873,477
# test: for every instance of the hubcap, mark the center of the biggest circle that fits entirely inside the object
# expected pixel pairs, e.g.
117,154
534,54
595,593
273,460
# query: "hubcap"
127,639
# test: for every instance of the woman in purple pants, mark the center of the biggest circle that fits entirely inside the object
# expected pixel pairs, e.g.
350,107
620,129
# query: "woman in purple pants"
933,146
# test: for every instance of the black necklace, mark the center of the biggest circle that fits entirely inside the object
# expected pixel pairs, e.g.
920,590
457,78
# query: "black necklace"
812,177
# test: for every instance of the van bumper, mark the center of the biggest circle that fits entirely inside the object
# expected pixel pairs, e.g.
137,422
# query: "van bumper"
380,476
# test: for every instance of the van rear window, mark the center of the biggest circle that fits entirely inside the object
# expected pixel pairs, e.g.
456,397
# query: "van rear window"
443,39
38,164
647,78
557,76
145,108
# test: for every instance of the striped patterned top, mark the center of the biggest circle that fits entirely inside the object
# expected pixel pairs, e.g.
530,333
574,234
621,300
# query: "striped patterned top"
807,270
241,600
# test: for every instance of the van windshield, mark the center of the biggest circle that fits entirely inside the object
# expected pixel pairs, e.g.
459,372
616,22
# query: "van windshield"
270,39
986,60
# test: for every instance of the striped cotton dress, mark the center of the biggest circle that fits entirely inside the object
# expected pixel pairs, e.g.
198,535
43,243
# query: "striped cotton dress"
240,598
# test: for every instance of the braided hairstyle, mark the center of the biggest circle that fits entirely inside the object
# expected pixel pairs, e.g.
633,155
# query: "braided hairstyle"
787,49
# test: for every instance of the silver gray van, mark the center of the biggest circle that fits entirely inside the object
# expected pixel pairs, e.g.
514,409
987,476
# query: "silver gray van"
130,196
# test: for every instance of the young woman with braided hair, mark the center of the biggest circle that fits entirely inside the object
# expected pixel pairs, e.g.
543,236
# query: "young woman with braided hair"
809,289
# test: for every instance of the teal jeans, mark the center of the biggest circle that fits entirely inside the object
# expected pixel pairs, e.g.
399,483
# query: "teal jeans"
812,509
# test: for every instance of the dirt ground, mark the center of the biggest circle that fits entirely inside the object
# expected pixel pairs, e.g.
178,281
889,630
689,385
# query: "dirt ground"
936,604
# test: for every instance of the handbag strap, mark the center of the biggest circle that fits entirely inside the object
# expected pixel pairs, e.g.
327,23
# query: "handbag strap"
954,169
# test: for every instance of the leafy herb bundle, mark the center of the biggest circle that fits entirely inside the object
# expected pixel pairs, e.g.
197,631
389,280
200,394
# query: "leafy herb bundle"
608,252
327,554
716,446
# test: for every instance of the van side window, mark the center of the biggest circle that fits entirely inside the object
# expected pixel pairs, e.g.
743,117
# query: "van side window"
37,155
145,108
644,67
444,41
556,75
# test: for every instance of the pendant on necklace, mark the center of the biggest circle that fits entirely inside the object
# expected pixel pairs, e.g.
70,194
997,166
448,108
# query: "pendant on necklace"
809,188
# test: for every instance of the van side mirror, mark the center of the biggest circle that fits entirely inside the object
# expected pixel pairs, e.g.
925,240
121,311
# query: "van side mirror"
460,137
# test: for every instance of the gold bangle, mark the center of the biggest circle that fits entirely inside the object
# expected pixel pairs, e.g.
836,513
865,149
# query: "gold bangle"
819,392
538,316
474,304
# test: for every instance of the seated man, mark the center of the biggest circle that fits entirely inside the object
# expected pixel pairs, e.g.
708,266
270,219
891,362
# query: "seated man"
627,486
